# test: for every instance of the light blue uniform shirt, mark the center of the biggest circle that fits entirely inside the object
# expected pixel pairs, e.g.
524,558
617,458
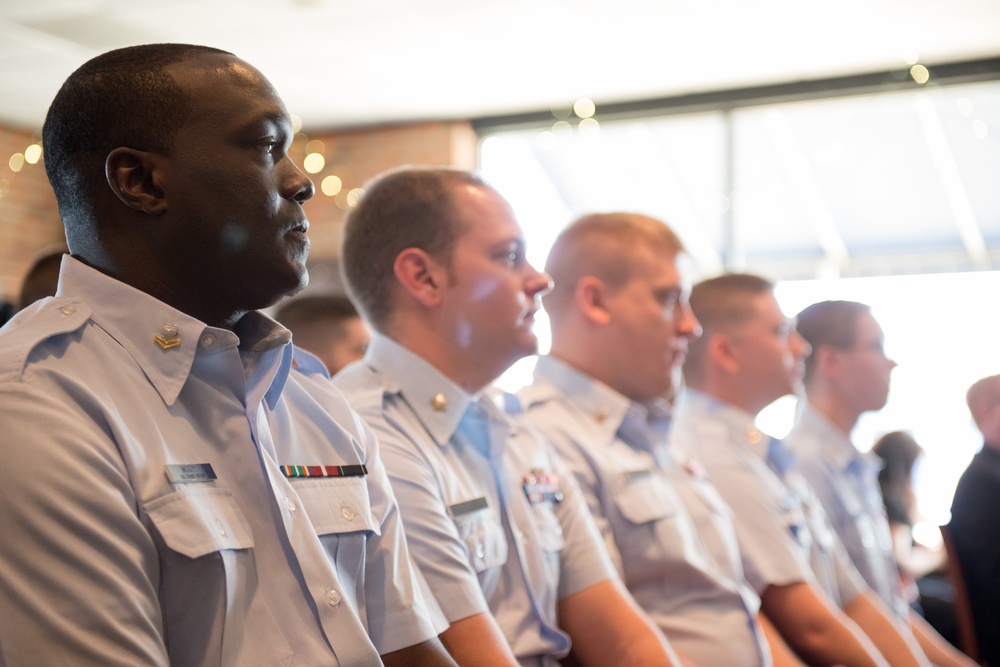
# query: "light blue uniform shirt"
846,482
667,529
494,521
784,535
113,553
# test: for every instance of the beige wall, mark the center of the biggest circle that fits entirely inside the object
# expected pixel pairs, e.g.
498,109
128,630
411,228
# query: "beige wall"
29,221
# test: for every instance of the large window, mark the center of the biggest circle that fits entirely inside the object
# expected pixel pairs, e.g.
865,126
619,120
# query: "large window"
889,198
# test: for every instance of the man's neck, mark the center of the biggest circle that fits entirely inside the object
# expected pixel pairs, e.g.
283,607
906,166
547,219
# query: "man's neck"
730,397
843,418
451,362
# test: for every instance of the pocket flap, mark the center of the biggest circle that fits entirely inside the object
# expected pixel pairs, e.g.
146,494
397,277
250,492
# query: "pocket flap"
336,505
197,522
646,498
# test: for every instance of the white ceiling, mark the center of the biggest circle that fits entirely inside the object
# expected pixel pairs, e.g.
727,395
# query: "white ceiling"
354,62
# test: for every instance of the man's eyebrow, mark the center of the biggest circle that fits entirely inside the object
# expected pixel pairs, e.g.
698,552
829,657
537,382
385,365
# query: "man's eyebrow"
517,241
272,118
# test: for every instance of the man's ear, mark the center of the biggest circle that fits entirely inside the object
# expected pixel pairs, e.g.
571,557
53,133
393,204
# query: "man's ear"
591,296
136,177
722,353
826,359
420,275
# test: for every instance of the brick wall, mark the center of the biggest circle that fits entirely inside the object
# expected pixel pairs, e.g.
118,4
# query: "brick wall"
359,155
29,221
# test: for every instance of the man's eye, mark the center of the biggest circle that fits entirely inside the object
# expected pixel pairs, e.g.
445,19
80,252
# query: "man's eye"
669,299
269,145
511,257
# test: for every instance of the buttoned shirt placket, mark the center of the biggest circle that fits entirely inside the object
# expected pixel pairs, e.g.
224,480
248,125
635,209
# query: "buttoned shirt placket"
487,431
266,371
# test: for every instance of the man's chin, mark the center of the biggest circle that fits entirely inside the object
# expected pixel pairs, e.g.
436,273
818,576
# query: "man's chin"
295,284
529,346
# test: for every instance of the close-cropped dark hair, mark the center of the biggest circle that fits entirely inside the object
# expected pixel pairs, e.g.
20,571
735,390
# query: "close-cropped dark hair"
721,304
409,207
602,245
120,98
832,323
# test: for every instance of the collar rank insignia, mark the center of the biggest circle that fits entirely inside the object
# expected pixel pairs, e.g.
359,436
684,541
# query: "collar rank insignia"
540,487
167,338
324,471
694,468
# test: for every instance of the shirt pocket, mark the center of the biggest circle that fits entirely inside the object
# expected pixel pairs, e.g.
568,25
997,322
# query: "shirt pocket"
208,580
484,539
550,532
652,530
197,522
644,498
854,522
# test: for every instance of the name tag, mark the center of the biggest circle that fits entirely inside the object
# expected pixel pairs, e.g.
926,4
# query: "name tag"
540,487
631,475
190,472
467,507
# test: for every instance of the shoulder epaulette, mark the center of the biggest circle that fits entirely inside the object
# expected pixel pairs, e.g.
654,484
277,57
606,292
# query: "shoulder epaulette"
36,324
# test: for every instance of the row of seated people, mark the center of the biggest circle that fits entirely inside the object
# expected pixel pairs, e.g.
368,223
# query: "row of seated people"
207,497
662,508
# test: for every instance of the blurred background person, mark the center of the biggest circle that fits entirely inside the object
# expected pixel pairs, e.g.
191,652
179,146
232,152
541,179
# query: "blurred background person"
975,520
327,325
42,278
40,281
922,564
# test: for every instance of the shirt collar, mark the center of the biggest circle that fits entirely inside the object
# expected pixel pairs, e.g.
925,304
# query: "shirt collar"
437,402
738,422
834,445
162,340
605,408
260,335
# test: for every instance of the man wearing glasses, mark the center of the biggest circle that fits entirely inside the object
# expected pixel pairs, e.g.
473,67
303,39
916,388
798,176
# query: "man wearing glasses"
846,375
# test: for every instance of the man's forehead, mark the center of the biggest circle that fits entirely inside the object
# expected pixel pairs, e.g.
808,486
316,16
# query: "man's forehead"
218,81
657,265
481,209
763,308
471,199
868,327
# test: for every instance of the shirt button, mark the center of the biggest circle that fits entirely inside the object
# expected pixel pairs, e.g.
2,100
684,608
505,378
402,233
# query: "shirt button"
332,597
207,341
68,310
347,513
219,527
480,550
290,504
